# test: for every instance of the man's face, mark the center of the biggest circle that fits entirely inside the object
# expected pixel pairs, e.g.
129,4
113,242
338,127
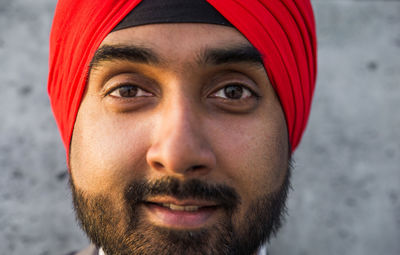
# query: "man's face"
180,145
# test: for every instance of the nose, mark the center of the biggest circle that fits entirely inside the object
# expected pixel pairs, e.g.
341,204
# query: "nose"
180,145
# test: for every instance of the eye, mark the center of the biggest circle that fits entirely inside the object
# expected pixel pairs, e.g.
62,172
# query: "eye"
234,92
127,91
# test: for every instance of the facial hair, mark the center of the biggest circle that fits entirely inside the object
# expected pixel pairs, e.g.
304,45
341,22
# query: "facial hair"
121,228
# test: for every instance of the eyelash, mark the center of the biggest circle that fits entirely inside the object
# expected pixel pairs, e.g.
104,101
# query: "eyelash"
126,85
244,89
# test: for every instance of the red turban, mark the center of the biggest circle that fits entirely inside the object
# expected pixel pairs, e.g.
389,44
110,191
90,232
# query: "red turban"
282,30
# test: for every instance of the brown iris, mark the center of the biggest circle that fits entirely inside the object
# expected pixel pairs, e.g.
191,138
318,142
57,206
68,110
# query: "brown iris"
233,91
128,91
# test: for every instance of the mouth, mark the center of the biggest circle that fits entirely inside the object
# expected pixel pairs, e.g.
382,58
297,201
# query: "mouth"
186,214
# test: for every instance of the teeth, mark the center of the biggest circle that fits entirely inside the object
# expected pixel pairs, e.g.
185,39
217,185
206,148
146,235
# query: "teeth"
188,208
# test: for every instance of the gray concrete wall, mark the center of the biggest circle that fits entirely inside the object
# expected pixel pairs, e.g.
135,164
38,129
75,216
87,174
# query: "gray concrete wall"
346,197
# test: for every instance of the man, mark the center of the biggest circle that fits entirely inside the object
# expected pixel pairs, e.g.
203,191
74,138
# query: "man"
179,119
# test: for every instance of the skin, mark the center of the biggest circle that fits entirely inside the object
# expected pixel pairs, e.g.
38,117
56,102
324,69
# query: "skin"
181,123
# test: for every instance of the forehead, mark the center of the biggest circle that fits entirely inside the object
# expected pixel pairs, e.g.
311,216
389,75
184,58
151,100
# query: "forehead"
178,40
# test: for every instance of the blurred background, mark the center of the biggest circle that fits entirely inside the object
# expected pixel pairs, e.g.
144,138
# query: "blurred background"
346,181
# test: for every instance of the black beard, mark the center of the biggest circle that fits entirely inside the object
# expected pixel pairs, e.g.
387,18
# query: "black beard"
122,229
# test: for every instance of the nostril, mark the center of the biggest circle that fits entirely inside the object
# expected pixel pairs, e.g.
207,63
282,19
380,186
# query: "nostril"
158,165
197,167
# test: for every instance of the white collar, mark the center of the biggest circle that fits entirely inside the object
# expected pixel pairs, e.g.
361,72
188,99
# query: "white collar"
261,251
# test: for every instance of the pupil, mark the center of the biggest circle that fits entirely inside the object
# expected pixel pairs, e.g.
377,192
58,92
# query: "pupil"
128,91
234,92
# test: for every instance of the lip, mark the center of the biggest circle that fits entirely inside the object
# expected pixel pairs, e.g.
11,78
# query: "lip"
181,219
185,202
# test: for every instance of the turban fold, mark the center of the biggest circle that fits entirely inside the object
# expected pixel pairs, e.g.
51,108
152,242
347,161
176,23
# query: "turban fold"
282,30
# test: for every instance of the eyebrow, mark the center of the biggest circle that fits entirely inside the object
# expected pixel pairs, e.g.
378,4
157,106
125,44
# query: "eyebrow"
230,55
130,53
210,56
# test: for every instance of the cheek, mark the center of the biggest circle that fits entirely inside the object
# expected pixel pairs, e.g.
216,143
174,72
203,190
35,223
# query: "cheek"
254,154
104,151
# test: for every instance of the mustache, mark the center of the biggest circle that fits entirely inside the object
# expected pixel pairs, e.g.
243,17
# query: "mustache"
221,194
